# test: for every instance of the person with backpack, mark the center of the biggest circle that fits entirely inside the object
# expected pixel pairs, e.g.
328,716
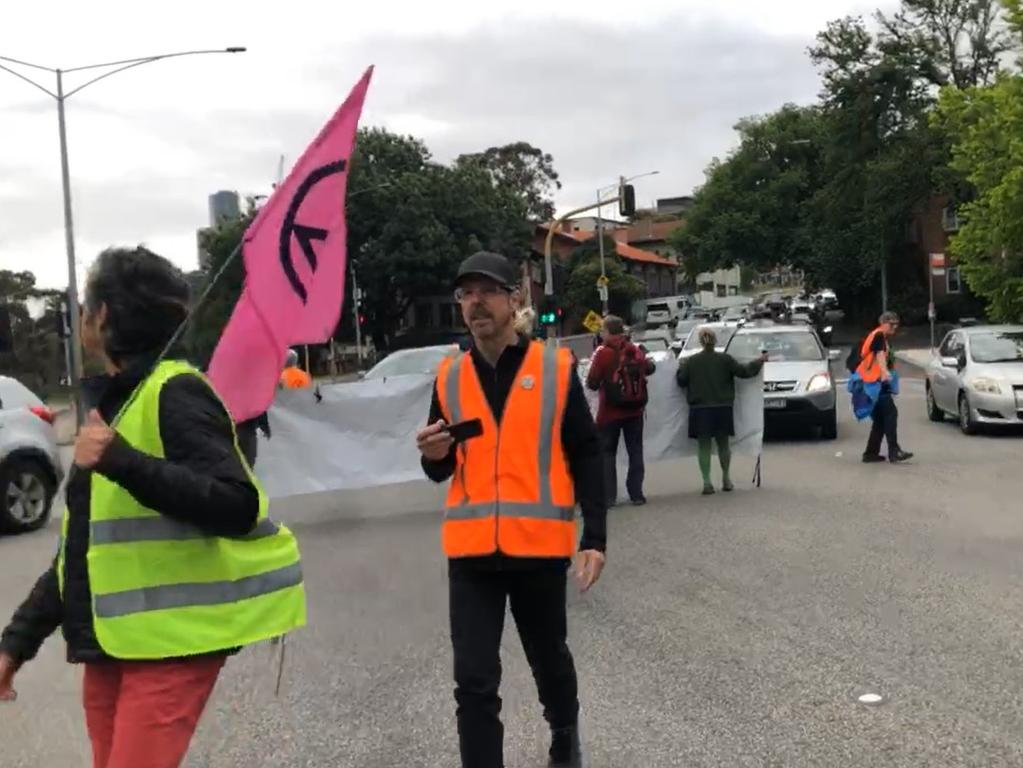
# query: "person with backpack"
619,371
709,380
874,385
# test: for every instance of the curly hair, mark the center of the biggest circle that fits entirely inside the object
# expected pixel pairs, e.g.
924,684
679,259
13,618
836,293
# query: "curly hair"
146,299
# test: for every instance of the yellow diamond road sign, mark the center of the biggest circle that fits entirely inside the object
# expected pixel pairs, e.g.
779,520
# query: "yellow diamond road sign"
592,322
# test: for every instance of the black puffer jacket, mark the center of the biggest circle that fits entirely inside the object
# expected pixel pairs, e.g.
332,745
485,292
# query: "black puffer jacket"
201,481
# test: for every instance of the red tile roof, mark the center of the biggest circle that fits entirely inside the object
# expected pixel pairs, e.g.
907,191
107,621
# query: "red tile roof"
624,250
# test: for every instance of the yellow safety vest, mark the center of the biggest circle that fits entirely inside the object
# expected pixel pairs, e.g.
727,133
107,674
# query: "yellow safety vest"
163,588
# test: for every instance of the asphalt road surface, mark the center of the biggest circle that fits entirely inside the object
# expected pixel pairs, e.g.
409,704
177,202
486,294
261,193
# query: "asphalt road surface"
737,630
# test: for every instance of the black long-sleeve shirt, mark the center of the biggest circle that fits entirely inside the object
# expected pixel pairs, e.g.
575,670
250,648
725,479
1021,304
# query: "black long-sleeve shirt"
200,481
578,438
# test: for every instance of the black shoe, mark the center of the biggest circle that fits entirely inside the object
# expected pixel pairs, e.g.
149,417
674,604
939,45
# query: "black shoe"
872,458
900,456
566,749
639,501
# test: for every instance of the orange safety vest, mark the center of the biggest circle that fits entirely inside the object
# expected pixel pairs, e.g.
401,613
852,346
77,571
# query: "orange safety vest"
295,378
869,368
512,491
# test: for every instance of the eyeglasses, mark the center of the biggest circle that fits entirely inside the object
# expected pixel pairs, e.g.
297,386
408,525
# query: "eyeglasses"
479,292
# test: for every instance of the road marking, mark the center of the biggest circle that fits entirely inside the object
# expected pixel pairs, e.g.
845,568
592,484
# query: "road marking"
871,698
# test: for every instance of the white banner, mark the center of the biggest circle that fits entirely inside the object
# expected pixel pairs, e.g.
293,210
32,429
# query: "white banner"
362,434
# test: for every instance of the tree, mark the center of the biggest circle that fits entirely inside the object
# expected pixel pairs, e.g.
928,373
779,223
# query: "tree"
211,316
35,358
411,221
752,209
953,42
524,170
581,289
987,129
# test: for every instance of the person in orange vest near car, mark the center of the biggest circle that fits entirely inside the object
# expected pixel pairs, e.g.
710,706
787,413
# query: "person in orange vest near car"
877,366
510,427
293,377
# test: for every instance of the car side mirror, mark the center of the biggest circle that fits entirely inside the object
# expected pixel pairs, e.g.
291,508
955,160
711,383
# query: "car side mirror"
361,375
834,354
950,362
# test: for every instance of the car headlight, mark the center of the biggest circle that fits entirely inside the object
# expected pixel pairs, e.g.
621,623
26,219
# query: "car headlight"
990,386
819,383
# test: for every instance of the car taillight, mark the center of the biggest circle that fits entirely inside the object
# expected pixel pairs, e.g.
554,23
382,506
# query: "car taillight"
44,413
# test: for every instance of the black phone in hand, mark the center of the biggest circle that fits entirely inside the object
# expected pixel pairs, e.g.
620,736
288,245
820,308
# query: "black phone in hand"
465,430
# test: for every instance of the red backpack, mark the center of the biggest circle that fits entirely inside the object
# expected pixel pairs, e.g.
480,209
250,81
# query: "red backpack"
626,387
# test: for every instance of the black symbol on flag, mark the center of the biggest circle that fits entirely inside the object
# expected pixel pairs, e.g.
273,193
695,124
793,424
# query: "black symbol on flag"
304,234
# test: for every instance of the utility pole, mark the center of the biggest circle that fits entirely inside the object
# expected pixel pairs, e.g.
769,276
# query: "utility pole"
356,298
60,96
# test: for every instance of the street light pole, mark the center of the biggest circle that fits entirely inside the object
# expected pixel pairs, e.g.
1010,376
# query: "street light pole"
75,342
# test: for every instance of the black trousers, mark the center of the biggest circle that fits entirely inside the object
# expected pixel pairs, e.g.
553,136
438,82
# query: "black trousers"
886,425
632,430
477,604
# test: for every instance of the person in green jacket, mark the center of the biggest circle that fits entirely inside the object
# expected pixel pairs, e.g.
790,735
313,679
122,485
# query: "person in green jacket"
709,380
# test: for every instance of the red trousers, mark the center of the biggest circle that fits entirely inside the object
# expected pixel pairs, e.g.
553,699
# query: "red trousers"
142,714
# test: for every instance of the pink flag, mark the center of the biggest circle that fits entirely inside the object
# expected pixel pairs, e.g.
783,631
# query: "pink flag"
295,259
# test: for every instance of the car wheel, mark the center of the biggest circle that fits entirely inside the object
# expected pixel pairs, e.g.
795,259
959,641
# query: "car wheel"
829,426
26,494
934,413
966,421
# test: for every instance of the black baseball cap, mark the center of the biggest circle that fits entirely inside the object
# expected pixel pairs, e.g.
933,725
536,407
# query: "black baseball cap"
487,264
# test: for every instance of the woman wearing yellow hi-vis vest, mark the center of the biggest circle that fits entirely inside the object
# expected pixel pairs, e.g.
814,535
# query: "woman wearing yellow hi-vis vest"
168,562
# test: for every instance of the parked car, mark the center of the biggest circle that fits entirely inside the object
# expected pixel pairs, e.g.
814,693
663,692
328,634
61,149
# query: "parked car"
409,362
30,468
798,386
682,331
692,346
659,313
976,375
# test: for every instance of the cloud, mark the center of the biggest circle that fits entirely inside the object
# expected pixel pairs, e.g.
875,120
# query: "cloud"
605,100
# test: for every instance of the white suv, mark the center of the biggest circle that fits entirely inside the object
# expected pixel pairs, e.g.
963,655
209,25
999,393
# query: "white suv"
30,469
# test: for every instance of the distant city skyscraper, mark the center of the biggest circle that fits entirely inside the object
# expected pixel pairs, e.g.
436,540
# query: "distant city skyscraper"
224,206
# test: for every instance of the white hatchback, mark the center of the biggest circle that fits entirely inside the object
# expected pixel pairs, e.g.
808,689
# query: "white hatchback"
30,469
976,375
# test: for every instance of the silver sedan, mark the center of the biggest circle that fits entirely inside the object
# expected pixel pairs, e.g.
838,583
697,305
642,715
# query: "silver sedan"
976,375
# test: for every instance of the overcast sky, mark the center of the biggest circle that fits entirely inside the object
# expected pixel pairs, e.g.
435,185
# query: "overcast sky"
607,88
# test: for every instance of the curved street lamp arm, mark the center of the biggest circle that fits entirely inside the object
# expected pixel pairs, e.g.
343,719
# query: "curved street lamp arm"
105,75
28,80
146,59
27,64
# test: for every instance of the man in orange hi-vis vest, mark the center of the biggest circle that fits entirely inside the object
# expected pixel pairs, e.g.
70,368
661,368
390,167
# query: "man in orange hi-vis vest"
875,367
511,428
293,377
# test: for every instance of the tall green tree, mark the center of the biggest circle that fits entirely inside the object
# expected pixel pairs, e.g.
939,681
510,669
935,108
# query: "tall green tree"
580,295
524,170
987,129
35,358
752,208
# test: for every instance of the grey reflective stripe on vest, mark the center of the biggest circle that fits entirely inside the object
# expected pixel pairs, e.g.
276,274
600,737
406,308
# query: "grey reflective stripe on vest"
548,408
135,529
452,390
510,509
547,433
132,601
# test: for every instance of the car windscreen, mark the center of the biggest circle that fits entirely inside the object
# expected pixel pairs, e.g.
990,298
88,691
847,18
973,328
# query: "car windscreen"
408,363
781,347
997,347
724,336
684,328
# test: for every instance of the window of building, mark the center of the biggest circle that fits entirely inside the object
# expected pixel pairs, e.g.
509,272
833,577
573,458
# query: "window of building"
733,290
950,219
721,290
424,316
954,284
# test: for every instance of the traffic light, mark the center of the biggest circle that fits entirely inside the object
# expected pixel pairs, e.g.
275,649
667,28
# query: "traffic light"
627,200
548,318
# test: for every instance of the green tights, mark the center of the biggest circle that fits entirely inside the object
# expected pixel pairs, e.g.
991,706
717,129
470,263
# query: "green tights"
706,447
